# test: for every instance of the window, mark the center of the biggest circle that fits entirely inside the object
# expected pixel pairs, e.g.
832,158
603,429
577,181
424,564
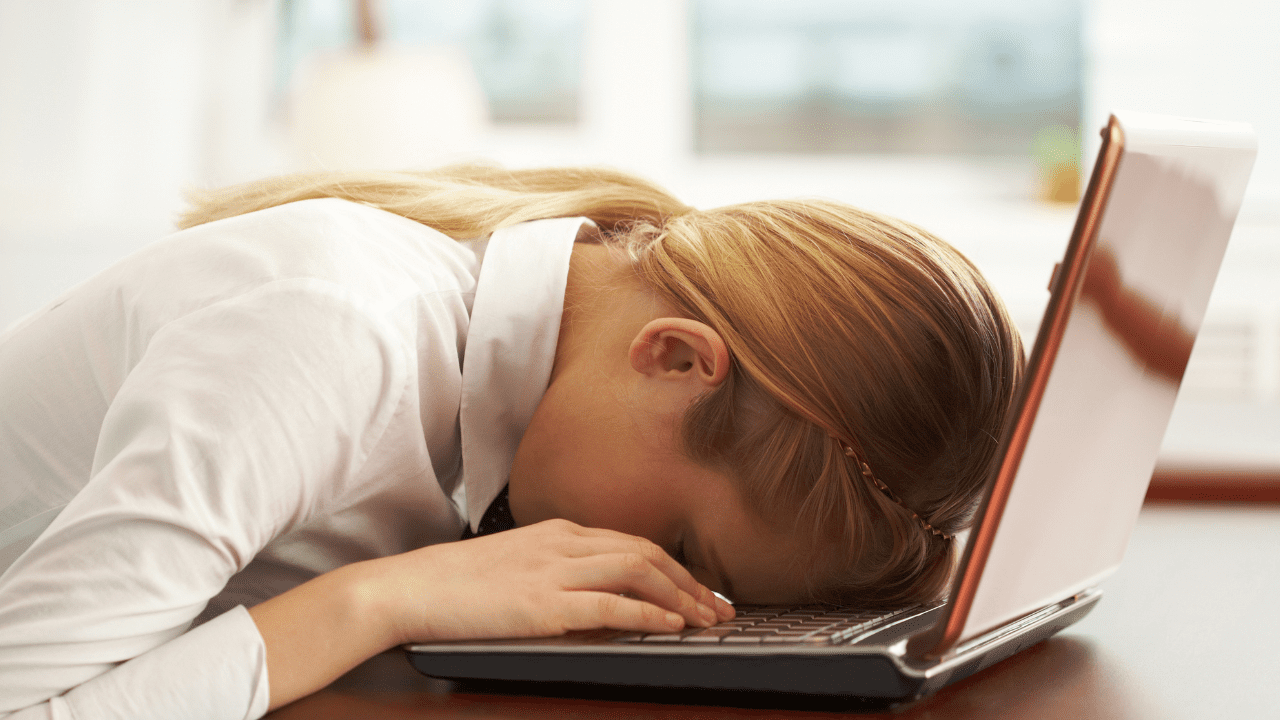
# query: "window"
888,76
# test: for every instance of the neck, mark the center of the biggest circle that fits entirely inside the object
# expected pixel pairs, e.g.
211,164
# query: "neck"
605,305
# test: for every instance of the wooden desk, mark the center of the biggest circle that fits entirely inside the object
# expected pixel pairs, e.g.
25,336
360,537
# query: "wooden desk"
1187,629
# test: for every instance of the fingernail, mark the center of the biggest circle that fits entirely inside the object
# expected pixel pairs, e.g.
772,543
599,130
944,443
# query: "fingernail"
708,614
674,620
726,608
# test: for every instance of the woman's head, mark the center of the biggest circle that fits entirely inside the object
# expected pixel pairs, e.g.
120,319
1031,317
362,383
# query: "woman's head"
846,330
843,329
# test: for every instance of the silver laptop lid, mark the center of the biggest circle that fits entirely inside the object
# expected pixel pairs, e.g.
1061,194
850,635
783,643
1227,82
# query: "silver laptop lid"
1125,308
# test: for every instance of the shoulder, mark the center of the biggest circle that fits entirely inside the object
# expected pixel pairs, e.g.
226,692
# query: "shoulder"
340,240
379,260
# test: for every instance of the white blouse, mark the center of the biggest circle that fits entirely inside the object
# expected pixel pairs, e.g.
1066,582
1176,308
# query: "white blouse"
239,408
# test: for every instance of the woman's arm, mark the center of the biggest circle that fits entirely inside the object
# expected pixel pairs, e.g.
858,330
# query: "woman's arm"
540,580
241,421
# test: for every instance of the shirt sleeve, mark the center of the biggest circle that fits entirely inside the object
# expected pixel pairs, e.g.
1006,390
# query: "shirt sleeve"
240,422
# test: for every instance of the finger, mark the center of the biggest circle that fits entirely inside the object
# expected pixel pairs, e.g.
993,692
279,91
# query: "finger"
724,608
590,610
635,575
594,541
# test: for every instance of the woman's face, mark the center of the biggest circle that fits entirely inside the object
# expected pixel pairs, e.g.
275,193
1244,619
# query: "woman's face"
602,449
601,455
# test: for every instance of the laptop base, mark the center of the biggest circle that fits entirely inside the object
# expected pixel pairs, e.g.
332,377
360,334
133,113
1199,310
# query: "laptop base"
876,672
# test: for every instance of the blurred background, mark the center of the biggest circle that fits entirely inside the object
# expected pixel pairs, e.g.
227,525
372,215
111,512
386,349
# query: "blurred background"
977,120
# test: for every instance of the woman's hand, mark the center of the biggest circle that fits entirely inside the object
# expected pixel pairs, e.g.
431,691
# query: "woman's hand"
540,580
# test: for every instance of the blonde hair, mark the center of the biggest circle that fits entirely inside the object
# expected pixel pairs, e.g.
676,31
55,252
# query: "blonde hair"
461,201
845,328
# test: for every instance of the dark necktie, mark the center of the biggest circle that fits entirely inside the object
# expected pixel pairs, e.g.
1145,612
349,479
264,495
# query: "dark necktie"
496,519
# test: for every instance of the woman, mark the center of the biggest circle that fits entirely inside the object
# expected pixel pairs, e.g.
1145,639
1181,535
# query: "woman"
298,403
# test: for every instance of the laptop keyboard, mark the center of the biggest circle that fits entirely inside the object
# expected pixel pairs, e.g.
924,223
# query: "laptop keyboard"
761,625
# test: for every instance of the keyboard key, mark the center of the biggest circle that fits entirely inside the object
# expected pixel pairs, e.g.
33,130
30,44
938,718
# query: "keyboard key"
709,635
758,633
794,639
778,625
663,638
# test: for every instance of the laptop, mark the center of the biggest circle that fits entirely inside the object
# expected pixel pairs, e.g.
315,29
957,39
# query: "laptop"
1126,303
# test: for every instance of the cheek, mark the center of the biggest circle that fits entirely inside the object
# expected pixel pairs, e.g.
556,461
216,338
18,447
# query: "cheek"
585,457
592,482
633,509
596,490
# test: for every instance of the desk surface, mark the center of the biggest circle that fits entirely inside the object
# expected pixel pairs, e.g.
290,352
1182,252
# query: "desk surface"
1187,629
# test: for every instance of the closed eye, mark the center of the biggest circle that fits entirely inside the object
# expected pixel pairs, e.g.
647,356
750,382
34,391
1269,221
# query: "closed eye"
678,554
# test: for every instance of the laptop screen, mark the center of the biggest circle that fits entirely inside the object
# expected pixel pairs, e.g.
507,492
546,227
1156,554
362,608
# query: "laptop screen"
1127,303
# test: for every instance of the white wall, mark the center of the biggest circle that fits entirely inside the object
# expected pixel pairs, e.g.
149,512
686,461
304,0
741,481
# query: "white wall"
101,122
104,108
1198,58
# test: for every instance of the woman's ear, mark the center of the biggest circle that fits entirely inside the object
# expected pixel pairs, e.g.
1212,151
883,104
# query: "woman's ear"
680,349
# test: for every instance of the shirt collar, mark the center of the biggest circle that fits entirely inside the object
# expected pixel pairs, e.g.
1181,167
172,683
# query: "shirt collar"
511,346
